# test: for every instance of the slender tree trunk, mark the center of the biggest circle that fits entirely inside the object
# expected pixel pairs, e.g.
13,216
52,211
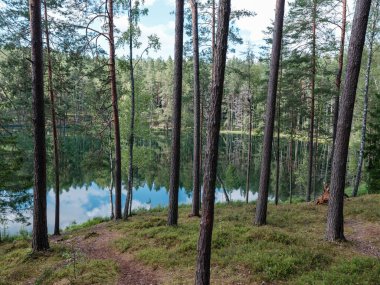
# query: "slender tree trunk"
291,164
112,67
177,95
112,216
335,224
316,160
249,152
278,142
213,23
338,81
132,122
197,111
365,109
211,160
40,240
262,201
54,123
313,74
223,188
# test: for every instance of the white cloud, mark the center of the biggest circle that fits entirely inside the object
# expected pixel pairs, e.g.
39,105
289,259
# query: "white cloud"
149,3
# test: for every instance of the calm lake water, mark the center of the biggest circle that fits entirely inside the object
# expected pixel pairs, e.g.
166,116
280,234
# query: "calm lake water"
85,173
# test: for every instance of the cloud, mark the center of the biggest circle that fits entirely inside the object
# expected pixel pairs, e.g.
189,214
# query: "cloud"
165,33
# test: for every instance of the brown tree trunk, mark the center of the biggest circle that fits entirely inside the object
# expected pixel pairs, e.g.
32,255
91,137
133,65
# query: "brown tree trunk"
338,81
128,204
262,201
249,152
213,23
335,224
112,216
365,108
54,123
197,112
40,240
112,67
211,159
311,133
176,130
278,143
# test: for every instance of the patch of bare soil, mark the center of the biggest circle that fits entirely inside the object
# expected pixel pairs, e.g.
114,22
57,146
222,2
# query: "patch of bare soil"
365,237
97,243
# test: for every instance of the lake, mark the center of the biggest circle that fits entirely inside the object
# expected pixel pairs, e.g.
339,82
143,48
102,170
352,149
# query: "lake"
85,173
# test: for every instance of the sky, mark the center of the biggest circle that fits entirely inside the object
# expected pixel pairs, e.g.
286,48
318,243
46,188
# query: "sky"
160,21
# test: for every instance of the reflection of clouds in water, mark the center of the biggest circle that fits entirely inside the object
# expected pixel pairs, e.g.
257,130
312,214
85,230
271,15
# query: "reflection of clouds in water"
234,195
80,204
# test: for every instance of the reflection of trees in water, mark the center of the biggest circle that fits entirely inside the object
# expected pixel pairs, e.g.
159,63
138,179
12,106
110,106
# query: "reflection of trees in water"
15,178
85,159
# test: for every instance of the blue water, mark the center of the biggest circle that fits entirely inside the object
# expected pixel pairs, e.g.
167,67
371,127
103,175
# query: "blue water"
80,204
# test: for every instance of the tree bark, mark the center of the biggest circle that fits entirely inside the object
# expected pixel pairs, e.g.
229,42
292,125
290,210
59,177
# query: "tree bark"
54,123
365,108
176,131
40,240
128,204
311,133
262,201
278,143
211,159
249,152
335,224
338,81
112,216
197,112
112,70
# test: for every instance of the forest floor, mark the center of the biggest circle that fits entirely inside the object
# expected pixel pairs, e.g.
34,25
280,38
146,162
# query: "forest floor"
290,250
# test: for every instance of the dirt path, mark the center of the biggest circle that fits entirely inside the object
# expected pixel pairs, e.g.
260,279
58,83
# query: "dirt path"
365,237
97,243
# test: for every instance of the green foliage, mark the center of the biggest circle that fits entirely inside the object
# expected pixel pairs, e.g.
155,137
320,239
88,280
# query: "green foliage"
90,223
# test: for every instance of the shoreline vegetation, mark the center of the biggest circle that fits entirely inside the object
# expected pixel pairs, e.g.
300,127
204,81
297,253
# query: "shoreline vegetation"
289,250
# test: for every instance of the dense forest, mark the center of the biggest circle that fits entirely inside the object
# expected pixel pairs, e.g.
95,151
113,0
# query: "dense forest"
224,126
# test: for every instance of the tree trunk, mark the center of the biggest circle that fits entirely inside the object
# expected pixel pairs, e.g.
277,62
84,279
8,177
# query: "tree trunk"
262,201
335,224
223,188
177,96
211,159
365,109
249,152
115,108
278,143
40,240
197,112
311,134
132,122
112,216
54,123
338,81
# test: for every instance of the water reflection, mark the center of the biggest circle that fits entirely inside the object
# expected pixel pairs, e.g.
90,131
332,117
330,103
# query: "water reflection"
79,204
85,173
